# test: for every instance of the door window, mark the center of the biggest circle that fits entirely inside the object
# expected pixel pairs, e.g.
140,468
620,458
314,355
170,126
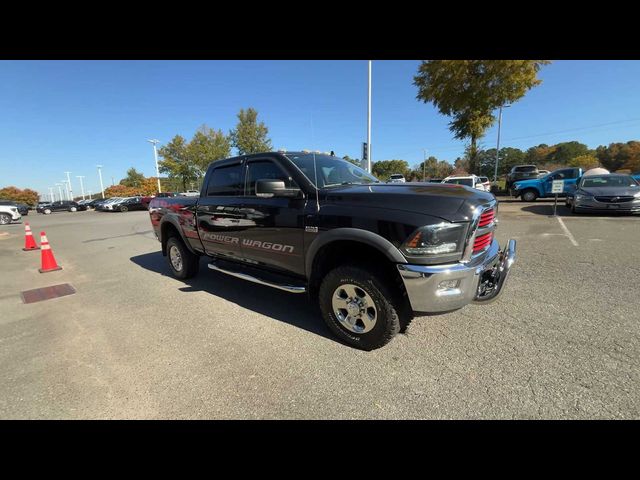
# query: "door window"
226,181
265,170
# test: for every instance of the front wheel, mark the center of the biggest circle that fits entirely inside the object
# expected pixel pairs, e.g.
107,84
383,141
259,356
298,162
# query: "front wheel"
182,262
47,211
124,209
529,196
358,307
73,209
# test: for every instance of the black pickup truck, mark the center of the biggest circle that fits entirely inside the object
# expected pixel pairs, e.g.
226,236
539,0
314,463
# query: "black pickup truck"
371,254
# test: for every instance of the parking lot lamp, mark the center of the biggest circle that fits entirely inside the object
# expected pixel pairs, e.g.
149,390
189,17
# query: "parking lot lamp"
90,197
81,184
59,190
69,183
155,154
66,189
100,175
495,174
51,194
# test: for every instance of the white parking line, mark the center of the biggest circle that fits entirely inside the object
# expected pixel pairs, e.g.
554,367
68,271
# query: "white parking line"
567,232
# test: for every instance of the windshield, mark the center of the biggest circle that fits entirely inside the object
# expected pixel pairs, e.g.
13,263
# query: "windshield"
526,168
460,181
609,181
397,176
331,171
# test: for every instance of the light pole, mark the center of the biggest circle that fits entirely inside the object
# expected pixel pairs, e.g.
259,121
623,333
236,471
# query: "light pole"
424,164
69,182
100,175
369,123
59,190
81,185
155,154
51,194
495,174
90,197
66,189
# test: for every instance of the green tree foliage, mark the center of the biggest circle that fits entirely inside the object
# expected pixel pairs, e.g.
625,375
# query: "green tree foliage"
177,162
206,146
249,136
27,196
620,156
355,161
507,159
133,179
383,169
432,168
566,151
584,161
469,91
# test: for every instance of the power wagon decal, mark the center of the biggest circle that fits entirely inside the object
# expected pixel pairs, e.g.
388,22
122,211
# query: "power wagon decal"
255,244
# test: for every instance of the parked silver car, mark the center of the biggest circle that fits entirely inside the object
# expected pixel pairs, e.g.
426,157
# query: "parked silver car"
612,192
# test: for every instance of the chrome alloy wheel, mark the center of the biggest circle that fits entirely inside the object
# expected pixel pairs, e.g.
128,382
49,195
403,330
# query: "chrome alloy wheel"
354,308
175,258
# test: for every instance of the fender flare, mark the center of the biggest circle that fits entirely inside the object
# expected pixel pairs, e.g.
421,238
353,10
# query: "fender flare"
354,234
169,219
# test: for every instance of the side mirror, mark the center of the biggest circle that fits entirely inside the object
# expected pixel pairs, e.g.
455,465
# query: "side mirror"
267,188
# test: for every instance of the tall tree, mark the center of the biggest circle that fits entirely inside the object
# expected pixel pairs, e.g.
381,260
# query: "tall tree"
249,136
28,196
177,162
469,91
619,156
206,146
383,169
133,179
566,151
508,157
355,161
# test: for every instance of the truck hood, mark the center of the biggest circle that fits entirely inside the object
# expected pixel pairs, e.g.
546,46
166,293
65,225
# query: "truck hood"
451,202
521,184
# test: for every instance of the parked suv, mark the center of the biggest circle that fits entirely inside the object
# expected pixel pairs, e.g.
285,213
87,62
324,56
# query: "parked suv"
397,178
368,253
60,206
472,181
8,214
22,207
521,172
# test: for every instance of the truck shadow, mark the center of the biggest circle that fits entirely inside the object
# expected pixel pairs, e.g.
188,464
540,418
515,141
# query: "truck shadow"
294,309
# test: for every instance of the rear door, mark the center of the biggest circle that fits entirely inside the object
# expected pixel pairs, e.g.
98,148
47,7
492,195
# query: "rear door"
218,210
273,227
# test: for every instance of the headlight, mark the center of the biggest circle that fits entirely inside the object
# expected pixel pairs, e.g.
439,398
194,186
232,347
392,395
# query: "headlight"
637,195
439,239
582,196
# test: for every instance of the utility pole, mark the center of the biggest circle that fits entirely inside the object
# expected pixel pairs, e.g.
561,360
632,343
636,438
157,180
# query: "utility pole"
100,175
69,182
81,184
495,173
112,182
155,154
369,123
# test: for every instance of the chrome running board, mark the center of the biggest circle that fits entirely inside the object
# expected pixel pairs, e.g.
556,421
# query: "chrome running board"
250,278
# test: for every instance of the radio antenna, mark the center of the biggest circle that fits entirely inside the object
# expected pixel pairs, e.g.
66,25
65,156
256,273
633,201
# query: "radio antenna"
315,168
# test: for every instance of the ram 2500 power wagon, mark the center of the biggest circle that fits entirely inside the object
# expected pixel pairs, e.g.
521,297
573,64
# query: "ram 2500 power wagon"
371,254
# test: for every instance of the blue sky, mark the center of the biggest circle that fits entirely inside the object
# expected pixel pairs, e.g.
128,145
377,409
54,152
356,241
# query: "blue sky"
72,115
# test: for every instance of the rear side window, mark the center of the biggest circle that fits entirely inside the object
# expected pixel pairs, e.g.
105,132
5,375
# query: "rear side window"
265,170
226,181
528,168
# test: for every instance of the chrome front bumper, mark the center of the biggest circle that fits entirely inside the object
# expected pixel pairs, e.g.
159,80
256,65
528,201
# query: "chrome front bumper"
442,288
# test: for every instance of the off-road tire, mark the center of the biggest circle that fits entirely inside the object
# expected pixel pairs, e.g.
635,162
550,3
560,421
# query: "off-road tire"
190,262
387,323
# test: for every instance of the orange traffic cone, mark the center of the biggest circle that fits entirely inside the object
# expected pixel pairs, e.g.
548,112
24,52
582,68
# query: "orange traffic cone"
29,241
48,261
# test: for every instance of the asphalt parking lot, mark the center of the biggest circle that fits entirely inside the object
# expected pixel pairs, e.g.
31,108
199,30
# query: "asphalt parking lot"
132,342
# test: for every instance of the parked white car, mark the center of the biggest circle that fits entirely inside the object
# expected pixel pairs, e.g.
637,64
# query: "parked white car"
397,178
468,180
9,214
191,193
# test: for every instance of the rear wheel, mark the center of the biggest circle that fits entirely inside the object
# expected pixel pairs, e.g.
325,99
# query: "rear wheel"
182,262
73,209
5,219
124,208
358,307
47,211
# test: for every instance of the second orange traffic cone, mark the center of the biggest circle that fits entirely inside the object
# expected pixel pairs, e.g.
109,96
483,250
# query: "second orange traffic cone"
48,260
29,241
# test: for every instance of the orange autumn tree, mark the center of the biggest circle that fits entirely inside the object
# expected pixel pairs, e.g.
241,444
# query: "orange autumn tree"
28,196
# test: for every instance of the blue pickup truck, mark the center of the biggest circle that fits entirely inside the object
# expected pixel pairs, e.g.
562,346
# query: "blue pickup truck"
529,190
